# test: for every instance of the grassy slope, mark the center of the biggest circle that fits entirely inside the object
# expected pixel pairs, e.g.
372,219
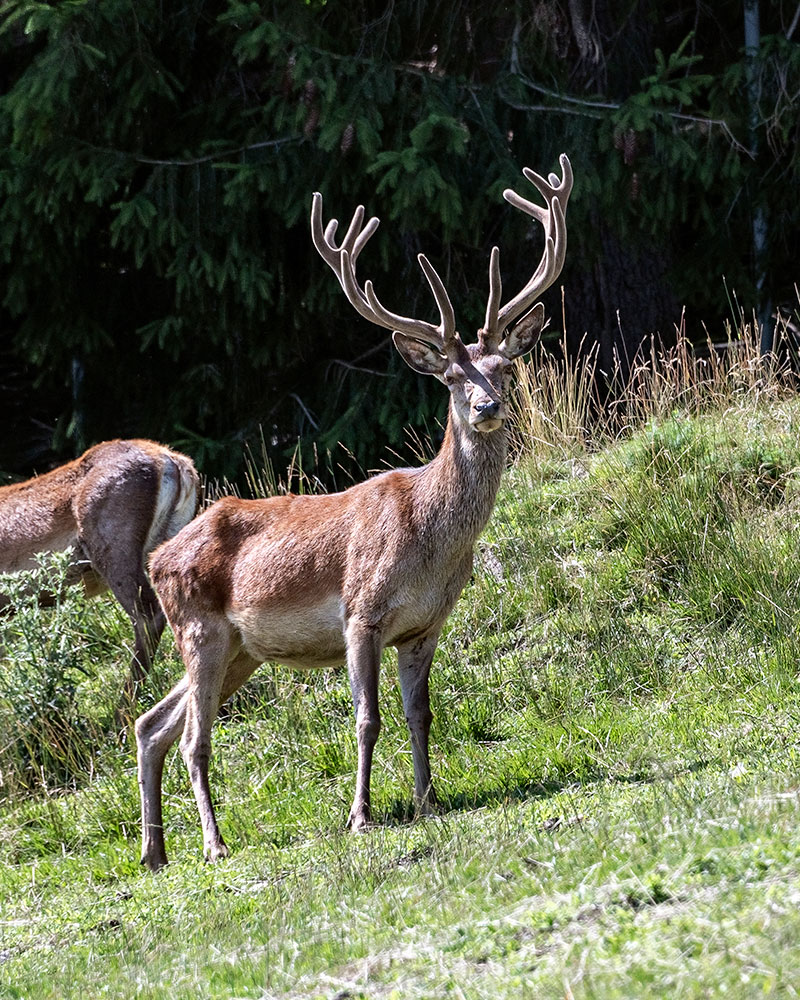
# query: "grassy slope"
615,740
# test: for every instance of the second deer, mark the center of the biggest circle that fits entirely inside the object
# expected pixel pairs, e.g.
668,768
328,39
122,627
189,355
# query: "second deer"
318,580
111,507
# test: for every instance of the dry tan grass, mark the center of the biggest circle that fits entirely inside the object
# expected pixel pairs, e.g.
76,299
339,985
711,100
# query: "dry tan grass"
566,406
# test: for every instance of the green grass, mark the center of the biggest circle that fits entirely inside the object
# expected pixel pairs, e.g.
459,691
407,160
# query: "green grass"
616,742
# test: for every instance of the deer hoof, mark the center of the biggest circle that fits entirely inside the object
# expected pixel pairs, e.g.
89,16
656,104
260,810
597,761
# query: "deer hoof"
359,821
217,852
428,805
154,861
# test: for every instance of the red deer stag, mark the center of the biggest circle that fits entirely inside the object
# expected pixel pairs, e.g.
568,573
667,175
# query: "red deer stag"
112,506
318,580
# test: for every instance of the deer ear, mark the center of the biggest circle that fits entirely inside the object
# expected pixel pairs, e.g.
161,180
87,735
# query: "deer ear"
524,335
421,357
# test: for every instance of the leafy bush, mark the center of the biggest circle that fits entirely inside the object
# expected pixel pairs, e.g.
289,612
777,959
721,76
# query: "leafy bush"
47,735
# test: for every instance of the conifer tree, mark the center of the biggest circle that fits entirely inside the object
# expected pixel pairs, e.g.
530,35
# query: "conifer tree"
157,163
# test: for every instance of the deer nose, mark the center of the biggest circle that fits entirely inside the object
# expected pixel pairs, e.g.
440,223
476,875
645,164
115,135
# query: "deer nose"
488,408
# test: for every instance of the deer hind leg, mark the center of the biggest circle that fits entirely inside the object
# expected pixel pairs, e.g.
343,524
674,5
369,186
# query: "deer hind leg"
363,665
122,571
216,667
148,621
156,731
115,522
138,599
413,665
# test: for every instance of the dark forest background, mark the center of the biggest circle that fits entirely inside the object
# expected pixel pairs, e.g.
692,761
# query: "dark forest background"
157,161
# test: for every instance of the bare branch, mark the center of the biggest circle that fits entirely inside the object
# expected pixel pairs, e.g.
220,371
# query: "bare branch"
795,20
222,154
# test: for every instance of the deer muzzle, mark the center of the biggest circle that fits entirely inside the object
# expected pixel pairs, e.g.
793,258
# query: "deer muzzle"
487,415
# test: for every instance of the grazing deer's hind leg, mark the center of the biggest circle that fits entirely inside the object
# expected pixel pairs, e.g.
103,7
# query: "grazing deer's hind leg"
114,517
413,667
363,665
134,593
120,566
148,622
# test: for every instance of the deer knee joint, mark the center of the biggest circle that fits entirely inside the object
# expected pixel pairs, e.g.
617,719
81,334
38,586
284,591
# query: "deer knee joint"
368,728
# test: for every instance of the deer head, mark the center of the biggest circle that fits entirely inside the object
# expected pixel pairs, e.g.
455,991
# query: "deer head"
477,375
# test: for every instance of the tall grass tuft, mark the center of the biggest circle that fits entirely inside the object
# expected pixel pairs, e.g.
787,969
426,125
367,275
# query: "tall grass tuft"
565,406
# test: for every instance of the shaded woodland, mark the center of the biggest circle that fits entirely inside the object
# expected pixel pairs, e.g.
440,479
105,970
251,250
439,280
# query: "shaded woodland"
157,276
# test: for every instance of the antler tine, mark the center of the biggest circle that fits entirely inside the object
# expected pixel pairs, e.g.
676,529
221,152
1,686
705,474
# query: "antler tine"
354,239
528,207
354,228
556,192
351,246
440,336
495,291
447,316
554,185
323,241
342,261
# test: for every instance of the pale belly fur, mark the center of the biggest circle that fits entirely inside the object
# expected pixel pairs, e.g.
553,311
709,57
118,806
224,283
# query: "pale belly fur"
297,637
313,636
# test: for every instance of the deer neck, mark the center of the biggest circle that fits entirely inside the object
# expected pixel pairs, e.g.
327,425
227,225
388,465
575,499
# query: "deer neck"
460,484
